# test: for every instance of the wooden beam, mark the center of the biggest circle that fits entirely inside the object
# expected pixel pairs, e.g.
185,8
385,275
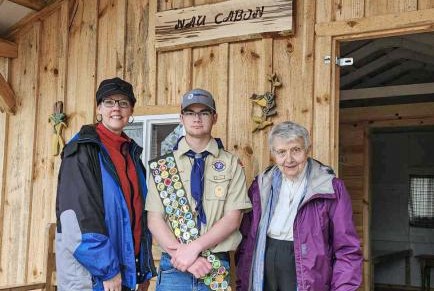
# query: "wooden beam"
157,109
8,49
7,96
397,54
387,91
419,20
32,4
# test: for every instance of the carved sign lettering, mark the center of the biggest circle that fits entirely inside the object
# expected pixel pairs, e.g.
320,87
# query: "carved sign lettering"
222,22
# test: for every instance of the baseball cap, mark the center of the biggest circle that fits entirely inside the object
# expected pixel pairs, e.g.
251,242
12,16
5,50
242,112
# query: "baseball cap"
198,96
114,86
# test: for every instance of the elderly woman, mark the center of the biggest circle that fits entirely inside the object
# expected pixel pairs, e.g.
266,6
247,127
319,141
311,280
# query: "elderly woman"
300,234
102,240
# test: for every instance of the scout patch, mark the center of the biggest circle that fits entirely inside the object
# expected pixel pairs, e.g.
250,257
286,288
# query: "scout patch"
181,220
218,165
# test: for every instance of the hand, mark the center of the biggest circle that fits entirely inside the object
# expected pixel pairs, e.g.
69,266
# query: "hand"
185,256
200,267
113,284
144,286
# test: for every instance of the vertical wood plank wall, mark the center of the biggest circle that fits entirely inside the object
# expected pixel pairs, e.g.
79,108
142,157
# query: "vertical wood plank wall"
67,52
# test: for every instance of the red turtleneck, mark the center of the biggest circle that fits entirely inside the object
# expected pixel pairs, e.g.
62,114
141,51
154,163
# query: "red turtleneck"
117,146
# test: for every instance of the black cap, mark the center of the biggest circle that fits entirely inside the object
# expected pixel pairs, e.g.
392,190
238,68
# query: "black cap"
114,86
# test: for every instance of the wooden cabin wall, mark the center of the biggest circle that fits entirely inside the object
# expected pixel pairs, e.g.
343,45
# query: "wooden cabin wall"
354,153
74,44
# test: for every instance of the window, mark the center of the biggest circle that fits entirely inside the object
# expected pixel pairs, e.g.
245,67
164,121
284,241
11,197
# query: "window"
150,131
421,202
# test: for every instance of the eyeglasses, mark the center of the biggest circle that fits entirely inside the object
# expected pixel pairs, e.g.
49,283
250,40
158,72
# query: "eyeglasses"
200,114
111,103
295,152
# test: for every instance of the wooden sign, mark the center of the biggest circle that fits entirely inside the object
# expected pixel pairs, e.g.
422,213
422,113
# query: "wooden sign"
222,22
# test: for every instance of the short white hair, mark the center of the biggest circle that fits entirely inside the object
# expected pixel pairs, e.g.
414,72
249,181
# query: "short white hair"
289,131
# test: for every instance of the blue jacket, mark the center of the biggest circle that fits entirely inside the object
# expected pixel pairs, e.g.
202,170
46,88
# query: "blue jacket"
94,240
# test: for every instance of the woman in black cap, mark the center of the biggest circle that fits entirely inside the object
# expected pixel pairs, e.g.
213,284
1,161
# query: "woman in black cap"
102,240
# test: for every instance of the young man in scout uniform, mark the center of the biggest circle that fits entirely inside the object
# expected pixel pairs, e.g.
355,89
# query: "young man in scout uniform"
195,203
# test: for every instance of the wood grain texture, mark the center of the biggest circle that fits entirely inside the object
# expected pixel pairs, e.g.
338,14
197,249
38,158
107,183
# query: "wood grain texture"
20,157
81,71
4,127
8,49
52,72
111,39
137,48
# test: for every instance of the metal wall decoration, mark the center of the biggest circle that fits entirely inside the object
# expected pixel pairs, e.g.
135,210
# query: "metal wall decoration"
266,104
58,120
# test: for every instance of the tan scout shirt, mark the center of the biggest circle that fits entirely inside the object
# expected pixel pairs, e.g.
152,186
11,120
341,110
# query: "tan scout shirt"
224,189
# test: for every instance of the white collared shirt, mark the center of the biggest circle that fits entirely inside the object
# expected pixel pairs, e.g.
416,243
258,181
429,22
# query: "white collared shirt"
282,222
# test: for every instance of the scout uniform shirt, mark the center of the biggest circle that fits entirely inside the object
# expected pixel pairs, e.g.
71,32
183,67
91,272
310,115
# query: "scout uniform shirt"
224,189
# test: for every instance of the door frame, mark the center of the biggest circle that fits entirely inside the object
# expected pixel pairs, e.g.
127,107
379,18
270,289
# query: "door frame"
326,91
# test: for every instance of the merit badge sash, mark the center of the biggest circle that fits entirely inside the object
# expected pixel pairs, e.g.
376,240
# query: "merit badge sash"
177,208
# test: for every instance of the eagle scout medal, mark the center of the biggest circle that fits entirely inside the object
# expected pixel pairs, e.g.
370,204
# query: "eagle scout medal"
181,220
218,191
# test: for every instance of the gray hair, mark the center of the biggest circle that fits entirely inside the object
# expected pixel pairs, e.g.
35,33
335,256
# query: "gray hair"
289,131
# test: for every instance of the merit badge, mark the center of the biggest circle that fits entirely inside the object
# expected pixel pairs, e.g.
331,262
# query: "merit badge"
218,191
171,165
167,182
186,235
177,185
177,232
194,231
178,211
219,165
191,224
175,178
170,159
166,201
216,265
188,216
211,258
160,186
157,179
175,204
182,201
153,165
170,189
173,171
161,162
164,174
184,228
169,209
175,224
185,208
156,172
172,197
180,193
163,194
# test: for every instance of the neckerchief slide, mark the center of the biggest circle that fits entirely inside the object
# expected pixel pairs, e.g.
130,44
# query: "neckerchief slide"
171,190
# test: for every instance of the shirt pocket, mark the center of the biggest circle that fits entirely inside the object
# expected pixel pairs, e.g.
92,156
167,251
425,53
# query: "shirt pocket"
216,187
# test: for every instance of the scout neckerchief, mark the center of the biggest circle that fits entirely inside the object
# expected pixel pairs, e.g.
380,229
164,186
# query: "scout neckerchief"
177,208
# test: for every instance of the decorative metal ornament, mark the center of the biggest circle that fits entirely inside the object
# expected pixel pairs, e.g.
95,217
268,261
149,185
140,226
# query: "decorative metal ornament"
58,119
266,103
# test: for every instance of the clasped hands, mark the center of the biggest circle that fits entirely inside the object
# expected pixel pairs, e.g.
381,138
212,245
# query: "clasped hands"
185,257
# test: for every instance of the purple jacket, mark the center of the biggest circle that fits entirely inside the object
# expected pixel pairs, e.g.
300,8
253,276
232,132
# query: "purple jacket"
326,245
